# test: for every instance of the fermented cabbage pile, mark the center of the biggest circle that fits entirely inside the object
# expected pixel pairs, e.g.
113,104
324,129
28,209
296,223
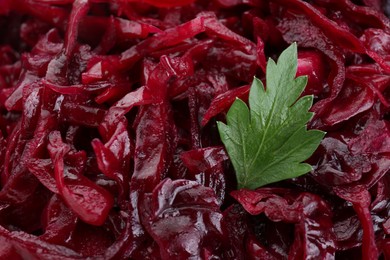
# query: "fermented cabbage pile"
109,147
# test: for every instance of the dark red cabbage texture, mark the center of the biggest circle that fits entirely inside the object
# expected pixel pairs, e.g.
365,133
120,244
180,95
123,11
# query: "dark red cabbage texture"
108,140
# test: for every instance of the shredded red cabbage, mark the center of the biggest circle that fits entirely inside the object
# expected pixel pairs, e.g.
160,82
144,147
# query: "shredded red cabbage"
109,147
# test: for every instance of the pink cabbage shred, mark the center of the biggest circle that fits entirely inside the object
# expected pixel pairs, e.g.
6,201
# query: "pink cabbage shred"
108,140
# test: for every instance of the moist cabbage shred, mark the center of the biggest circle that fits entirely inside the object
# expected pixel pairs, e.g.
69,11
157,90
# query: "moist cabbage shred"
108,141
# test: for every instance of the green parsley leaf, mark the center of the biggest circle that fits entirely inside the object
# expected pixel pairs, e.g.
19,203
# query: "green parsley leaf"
269,141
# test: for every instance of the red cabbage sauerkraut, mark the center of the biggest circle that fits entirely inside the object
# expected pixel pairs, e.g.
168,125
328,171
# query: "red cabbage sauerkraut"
109,145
